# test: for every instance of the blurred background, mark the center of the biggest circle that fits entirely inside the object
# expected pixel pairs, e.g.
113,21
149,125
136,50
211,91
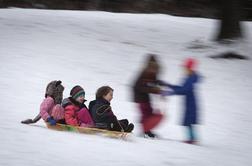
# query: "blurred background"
229,11
194,8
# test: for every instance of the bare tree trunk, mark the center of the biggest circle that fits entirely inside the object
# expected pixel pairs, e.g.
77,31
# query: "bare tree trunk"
230,16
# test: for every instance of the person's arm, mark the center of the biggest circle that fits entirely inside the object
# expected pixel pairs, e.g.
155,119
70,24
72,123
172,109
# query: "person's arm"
45,107
148,87
37,118
181,90
70,116
29,121
103,110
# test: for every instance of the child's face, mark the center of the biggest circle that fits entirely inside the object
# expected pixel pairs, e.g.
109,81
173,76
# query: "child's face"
108,96
80,99
188,71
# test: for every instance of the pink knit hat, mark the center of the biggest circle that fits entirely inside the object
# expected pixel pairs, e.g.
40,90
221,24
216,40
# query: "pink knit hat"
190,63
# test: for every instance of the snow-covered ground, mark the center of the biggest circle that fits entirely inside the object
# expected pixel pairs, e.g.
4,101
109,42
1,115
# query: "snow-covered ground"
99,48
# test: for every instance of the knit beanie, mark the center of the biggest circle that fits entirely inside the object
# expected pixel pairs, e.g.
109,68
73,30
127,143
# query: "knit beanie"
77,91
190,63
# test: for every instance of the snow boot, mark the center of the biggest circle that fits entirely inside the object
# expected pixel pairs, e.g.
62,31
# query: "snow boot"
130,127
149,134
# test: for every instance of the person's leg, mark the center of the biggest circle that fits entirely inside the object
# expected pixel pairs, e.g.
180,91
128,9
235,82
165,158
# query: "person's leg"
145,110
130,127
127,127
149,134
149,120
58,113
152,122
116,126
191,134
124,123
85,118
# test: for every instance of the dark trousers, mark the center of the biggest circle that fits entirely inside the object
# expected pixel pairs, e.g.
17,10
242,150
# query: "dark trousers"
120,125
149,119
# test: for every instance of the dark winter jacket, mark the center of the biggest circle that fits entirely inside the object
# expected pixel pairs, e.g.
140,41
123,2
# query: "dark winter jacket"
144,85
102,113
187,89
90,106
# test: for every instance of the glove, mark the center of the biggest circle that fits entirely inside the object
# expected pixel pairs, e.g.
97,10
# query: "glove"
166,93
51,121
27,121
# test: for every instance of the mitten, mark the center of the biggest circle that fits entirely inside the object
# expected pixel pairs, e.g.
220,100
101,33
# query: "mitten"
51,121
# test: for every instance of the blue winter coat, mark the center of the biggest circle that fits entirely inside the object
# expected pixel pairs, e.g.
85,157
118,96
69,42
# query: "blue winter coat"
187,89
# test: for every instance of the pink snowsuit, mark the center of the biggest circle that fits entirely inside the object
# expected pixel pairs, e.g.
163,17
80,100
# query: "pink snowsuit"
78,117
48,108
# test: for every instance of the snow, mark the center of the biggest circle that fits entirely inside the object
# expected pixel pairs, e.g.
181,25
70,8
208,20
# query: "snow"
99,48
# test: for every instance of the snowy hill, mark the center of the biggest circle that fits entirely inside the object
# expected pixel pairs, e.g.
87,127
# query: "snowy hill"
100,48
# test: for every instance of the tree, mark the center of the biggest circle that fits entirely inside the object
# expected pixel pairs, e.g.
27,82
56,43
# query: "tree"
230,15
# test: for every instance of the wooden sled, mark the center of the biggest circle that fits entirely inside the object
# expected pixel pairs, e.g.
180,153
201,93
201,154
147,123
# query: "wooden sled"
89,130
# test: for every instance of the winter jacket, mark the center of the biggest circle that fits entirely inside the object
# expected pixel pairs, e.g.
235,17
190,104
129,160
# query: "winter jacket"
90,106
75,112
187,89
46,108
144,85
102,113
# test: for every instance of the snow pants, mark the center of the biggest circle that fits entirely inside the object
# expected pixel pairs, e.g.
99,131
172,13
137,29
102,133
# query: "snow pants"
149,120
